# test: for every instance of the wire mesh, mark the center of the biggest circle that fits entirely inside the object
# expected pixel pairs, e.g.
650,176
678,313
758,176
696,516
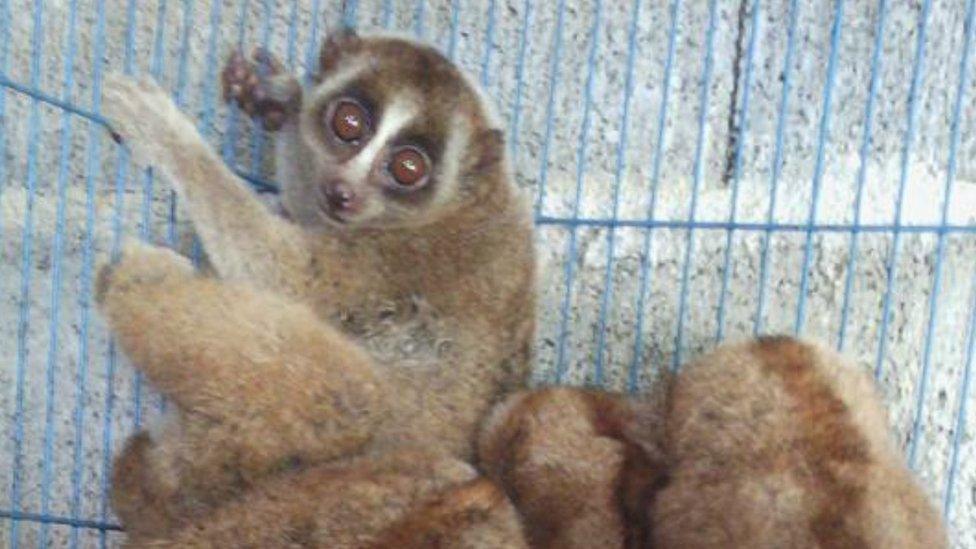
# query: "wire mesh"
701,171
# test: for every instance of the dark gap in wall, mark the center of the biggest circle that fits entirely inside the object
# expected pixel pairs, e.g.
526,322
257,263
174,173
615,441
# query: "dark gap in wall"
735,116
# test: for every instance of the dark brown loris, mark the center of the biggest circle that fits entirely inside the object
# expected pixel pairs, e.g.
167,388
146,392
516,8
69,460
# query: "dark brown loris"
365,331
771,443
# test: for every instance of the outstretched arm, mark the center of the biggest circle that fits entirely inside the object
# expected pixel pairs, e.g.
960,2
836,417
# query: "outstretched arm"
242,238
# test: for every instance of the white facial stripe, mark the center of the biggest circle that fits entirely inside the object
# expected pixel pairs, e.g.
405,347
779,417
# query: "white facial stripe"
338,80
401,110
458,138
341,78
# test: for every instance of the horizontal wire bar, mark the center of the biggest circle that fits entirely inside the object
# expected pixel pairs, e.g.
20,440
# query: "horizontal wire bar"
53,519
50,99
741,226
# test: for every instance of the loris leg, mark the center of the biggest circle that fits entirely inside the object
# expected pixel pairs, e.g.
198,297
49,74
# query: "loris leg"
244,240
142,494
262,88
260,384
249,361
579,465
407,499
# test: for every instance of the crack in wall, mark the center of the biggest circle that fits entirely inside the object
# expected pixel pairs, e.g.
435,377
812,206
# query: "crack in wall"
734,132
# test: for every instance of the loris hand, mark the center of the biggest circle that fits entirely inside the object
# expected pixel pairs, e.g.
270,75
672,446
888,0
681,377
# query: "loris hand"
149,123
261,88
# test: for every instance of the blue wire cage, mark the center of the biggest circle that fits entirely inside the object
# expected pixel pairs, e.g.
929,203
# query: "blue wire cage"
702,170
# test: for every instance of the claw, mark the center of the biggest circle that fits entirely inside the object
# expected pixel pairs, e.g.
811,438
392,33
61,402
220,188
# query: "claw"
267,61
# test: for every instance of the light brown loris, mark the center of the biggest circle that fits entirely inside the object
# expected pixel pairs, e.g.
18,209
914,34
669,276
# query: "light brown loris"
392,307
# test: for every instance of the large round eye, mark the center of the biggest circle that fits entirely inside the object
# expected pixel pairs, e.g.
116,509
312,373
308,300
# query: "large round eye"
350,121
409,167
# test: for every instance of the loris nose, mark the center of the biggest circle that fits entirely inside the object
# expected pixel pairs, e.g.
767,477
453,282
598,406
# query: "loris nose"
341,197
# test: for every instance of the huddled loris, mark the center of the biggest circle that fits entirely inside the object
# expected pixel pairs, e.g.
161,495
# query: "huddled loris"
769,443
337,380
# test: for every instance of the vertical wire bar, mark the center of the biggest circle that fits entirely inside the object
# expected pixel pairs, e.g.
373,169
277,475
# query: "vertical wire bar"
489,44
580,173
350,13
311,48
37,43
876,60
292,35
905,154
452,38
4,51
418,19
557,50
5,20
696,183
56,275
777,164
241,22
122,168
621,163
181,85
209,93
148,177
180,99
958,433
941,246
737,171
519,81
818,168
387,14
85,280
647,250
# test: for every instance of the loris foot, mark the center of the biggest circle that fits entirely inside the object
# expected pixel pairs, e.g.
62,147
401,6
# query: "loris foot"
261,88
141,263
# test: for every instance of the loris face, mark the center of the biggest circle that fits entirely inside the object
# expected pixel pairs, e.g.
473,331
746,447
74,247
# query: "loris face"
390,135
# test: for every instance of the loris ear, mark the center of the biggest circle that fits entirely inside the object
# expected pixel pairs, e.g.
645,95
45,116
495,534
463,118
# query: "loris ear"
339,42
488,148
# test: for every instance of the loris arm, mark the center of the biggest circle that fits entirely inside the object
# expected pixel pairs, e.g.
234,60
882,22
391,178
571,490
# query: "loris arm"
242,238
239,356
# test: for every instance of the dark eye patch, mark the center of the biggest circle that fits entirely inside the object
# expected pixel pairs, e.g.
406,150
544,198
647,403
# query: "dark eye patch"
432,144
350,122
348,103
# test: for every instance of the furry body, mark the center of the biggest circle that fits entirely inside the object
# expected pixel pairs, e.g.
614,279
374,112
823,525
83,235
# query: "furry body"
779,443
773,443
394,328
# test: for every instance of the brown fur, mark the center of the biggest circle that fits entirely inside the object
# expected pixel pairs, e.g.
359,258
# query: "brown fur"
770,443
580,465
777,443
407,498
475,514
320,342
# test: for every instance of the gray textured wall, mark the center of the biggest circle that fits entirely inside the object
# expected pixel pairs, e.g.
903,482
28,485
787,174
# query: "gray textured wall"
59,176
